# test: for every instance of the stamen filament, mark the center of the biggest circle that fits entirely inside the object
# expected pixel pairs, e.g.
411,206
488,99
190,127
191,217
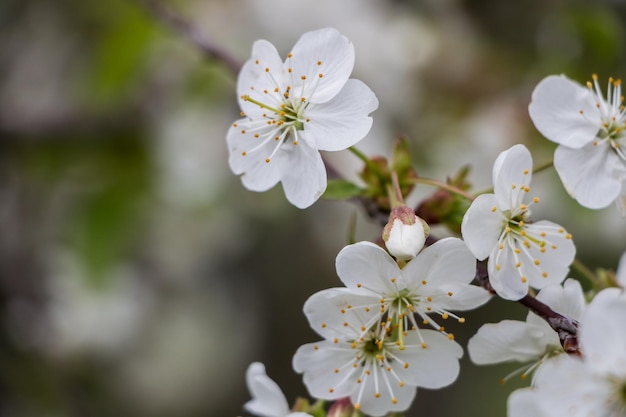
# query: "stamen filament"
258,103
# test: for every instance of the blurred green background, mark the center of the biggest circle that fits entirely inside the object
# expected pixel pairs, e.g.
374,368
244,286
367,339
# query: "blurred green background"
139,278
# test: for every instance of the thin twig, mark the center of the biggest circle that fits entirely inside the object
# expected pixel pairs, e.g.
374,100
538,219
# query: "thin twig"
565,327
185,29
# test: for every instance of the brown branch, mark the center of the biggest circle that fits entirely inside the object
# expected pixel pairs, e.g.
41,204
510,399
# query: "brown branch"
565,327
192,34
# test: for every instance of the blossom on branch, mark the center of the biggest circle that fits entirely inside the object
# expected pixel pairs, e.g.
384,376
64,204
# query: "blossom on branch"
521,252
532,340
591,385
293,109
589,128
267,398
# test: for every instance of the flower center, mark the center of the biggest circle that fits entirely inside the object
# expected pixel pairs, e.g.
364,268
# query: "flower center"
288,115
612,113
402,308
520,239
374,348
286,108
375,358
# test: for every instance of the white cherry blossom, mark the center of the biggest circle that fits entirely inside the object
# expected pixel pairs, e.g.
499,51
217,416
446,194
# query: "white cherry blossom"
593,385
435,282
590,130
267,398
499,226
358,360
532,340
293,109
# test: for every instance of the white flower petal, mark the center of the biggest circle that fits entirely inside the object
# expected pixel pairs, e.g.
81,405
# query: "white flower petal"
258,175
378,398
568,299
556,108
435,366
602,333
344,120
254,78
512,172
621,200
504,277
267,398
566,383
304,181
447,261
326,52
525,403
318,361
620,274
593,175
548,264
459,297
510,340
541,259
367,266
481,227
339,313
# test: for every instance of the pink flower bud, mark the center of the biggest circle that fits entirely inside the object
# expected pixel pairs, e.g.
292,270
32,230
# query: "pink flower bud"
341,408
405,233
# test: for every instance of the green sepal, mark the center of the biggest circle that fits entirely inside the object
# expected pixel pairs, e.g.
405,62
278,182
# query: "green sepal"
342,190
401,165
316,409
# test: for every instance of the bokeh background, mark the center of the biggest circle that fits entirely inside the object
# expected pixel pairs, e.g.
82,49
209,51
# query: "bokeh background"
139,278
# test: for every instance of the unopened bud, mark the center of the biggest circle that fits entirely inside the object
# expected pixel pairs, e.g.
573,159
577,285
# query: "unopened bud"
405,233
341,408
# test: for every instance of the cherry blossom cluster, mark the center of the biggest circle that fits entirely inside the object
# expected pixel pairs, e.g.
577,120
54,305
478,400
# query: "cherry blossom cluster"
388,329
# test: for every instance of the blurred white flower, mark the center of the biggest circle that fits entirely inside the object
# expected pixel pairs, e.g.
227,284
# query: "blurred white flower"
267,398
84,316
357,360
591,385
591,157
294,109
498,226
532,340
620,273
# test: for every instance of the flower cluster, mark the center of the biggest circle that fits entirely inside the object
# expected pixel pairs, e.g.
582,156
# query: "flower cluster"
383,334
374,350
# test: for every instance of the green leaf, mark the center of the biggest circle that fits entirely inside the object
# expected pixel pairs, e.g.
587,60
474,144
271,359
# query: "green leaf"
342,190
